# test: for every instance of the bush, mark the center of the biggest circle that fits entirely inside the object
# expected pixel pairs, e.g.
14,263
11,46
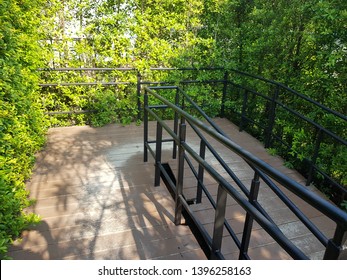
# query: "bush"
21,119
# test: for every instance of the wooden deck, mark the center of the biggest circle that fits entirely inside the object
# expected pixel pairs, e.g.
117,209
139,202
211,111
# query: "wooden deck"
97,201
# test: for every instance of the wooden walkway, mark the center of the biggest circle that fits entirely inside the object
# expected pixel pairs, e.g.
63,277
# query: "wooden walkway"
97,201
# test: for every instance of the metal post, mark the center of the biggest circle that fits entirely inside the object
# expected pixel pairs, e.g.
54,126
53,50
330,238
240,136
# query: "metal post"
177,103
219,222
145,127
271,118
314,157
337,247
158,148
138,90
200,172
180,174
247,230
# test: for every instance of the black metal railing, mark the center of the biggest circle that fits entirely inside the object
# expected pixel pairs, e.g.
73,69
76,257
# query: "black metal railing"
112,80
247,198
254,103
276,109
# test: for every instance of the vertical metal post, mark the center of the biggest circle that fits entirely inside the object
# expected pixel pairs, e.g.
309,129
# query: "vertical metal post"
180,174
271,118
337,246
225,87
145,127
183,106
158,148
219,222
200,172
177,103
244,108
247,230
314,157
138,90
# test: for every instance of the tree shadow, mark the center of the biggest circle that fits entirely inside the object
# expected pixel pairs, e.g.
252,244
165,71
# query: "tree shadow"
96,199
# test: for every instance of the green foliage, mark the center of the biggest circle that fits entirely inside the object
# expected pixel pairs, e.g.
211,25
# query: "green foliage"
301,44
272,151
137,34
21,119
344,205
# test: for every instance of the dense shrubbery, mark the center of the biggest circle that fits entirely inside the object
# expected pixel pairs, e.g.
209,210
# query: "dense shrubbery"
21,119
302,44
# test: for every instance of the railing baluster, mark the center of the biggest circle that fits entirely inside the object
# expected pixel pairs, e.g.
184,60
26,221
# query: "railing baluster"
158,149
219,222
138,90
145,127
177,103
246,237
337,247
271,118
200,173
180,173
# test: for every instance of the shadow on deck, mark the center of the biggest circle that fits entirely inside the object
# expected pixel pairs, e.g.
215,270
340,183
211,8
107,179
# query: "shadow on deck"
97,201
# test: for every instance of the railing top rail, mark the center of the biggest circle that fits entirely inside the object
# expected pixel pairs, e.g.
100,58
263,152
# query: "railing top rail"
128,69
85,84
295,113
63,69
67,69
292,91
333,212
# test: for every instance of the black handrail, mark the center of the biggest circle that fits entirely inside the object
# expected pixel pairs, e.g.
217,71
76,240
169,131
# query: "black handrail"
67,69
86,69
278,192
324,206
269,134
318,126
331,211
270,137
262,220
124,69
292,91
85,84
273,186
